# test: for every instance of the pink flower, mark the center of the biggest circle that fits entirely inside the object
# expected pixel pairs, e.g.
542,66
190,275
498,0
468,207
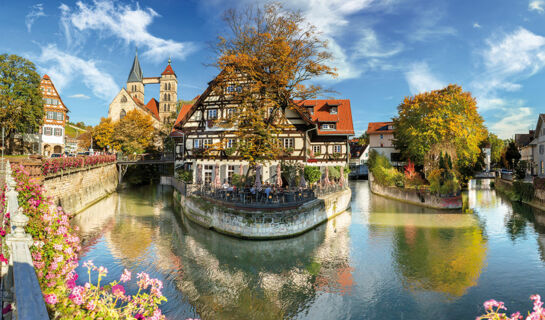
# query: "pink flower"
51,298
118,290
126,276
91,305
89,264
139,316
156,315
76,298
144,281
7,309
488,305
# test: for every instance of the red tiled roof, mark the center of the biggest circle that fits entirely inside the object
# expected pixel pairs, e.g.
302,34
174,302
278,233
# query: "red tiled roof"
168,70
138,102
342,119
183,111
153,107
46,77
379,127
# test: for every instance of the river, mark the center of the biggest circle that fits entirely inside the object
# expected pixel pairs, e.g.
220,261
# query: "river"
382,259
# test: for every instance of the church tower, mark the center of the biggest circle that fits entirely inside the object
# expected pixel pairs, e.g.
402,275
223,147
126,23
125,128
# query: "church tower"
135,82
168,93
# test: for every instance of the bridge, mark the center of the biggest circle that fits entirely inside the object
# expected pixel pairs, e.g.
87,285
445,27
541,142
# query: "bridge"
123,162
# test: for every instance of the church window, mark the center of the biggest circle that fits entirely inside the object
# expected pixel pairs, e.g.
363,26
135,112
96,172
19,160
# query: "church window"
168,97
123,99
169,86
166,87
122,114
168,107
165,97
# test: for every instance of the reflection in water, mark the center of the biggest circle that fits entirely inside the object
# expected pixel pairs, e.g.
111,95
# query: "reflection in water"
384,259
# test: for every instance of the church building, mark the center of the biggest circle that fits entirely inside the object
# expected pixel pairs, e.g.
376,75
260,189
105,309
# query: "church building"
132,97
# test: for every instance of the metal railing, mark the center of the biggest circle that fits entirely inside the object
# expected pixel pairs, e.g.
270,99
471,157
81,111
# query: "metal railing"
248,197
20,285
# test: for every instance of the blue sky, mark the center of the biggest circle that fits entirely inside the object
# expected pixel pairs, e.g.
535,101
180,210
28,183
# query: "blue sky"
384,50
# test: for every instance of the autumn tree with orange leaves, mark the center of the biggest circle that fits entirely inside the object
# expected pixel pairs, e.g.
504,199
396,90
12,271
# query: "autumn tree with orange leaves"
439,120
266,63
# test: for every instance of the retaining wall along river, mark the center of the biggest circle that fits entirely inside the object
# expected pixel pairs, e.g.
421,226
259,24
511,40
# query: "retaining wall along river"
254,223
416,197
78,189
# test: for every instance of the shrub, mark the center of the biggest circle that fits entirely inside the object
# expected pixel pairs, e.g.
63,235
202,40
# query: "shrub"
523,191
312,174
443,182
520,170
185,175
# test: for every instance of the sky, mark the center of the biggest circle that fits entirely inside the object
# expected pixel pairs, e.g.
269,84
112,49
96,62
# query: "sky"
383,50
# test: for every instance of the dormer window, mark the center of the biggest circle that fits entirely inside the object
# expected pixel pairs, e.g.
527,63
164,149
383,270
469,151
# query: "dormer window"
333,110
310,110
328,126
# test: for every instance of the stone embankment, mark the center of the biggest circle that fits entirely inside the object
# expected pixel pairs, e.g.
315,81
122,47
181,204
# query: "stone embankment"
254,223
416,197
78,189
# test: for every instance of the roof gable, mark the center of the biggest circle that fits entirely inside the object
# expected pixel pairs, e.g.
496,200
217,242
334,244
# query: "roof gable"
380,127
153,107
168,70
46,77
136,72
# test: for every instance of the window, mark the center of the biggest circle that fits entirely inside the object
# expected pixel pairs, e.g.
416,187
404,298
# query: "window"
168,97
333,110
197,144
198,115
328,126
230,112
60,116
168,107
239,89
230,173
212,113
542,168
317,149
337,148
207,143
541,149
166,87
58,132
310,110
122,114
47,131
230,143
288,142
50,115
123,99
381,136
231,89
208,174
169,86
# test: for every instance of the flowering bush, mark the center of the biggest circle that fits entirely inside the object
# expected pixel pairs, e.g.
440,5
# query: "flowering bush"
493,310
52,166
55,257
5,227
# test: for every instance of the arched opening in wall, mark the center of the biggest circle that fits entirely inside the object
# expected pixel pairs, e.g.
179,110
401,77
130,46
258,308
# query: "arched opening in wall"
47,150
57,149
122,114
123,99
165,97
168,97
169,86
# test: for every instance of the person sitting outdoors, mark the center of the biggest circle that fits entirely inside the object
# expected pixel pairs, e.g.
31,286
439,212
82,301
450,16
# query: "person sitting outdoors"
225,185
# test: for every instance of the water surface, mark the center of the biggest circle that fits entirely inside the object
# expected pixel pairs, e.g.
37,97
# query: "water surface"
382,259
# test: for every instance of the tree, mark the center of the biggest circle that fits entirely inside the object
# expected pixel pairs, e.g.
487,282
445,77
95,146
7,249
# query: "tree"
104,133
439,117
512,154
363,139
496,148
267,59
134,133
21,106
84,140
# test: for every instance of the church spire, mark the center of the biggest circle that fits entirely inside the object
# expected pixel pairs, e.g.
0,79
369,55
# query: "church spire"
136,72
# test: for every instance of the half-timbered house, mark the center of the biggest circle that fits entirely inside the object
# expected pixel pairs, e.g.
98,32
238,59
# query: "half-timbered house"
316,134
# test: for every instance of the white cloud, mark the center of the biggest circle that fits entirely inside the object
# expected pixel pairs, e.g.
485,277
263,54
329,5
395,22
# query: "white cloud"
428,25
125,22
36,11
64,68
513,120
536,5
79,96
369,46
476,25
420,78
508,59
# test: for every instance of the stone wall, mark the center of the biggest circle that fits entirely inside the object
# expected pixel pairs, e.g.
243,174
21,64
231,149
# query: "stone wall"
424,199
78,189
255,224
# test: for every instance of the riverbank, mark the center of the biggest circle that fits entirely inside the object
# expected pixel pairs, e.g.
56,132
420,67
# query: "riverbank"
416,197
506,187
262,224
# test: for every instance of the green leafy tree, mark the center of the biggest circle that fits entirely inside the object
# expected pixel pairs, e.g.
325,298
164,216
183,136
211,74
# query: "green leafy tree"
21,106
496,148
512,154
437,117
